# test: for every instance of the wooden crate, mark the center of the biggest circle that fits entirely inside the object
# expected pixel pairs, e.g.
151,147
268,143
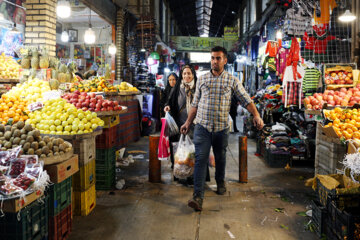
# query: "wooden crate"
329,153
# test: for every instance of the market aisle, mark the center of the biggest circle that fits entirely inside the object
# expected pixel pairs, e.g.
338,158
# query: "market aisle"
159,211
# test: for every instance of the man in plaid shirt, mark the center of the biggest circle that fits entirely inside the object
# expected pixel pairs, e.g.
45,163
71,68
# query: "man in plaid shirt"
211,106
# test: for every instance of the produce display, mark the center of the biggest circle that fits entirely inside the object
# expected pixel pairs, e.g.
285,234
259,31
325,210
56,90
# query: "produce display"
30,141
344,97
20,173
339,75
98,84
345,122
31,90
91,102
124,86
58,117
13,109
9,68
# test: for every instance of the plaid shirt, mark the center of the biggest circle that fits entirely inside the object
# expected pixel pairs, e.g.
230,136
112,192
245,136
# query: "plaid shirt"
213,99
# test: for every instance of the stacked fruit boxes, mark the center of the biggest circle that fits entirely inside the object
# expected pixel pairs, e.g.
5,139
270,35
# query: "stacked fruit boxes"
60,196
84,180
106,158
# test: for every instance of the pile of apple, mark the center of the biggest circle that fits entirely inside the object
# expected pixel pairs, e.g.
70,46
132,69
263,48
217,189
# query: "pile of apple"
340,77
91,102
344,97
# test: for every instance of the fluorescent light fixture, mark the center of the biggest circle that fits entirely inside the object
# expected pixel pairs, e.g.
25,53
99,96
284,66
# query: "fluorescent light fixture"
142,50
167,70
279,35
63,9
64,36
204,35
2,17
347,16
112,49
89,37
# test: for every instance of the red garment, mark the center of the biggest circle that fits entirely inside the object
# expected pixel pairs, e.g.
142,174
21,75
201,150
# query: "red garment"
272,48
292,90
321,29
321,45
294,57
309,41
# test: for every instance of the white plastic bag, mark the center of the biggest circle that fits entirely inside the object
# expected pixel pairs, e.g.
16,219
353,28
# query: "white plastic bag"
172,127
184,158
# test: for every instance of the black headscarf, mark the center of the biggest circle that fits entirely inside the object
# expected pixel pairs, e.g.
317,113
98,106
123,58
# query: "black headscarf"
166,93
173,100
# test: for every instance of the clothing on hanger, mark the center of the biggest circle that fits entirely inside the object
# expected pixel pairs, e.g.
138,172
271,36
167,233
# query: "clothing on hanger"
281,57
311,80
294,57
296,24
325,7
292,88
272,48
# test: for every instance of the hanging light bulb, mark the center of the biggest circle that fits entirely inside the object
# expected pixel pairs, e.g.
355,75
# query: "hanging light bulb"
89,37
278,35
64,36
112,49
143,50
167,70
347,16
63,9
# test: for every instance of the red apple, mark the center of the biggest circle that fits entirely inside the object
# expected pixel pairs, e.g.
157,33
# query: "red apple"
98,105
92,95
78,105
110,109
352,103
77,92
97,109
93,100
99,97
84,108
331,102
92,105
343,90
103,109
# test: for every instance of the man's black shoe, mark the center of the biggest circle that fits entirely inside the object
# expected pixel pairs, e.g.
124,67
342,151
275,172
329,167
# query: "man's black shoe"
196,203
221,189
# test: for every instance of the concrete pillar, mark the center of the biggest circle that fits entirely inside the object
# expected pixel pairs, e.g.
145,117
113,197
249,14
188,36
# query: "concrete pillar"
40,28
120,53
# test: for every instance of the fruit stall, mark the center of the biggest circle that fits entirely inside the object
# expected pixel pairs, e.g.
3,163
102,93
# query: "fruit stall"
58,140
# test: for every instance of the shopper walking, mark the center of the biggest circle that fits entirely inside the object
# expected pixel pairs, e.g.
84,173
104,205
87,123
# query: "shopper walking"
171,82
182,95
210,109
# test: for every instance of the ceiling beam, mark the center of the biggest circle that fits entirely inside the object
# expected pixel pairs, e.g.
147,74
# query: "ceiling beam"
105,9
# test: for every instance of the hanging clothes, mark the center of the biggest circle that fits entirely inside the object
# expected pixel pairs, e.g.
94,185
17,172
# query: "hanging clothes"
326,6
294,57
295,24
269,63
281,57
311,81
292,88
255,47
272,48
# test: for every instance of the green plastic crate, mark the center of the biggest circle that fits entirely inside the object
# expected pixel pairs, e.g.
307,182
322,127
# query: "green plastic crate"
105,182
31,224
60,196
105,155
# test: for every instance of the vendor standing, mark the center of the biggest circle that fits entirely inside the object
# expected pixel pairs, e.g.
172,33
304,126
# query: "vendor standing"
210,109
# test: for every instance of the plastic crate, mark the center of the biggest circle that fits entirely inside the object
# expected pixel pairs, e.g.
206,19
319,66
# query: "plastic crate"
59,196
276,160
342,201
84,202
344,223
85,177
319,214
105,181
110,121
105,155
86,149
60,225
107,139
30,223
105,171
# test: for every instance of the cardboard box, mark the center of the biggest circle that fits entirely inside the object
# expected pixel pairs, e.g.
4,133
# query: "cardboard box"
329,132
16,204
61,171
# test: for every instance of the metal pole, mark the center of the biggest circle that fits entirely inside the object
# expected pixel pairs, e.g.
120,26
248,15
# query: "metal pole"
243,169
154,163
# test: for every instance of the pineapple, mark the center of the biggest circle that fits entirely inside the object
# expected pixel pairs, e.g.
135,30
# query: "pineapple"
25,60
54,63
63,68
35,59
54,74
44,59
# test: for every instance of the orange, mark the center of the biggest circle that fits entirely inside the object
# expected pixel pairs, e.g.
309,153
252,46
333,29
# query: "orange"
348,115
11,114
349,130
354,128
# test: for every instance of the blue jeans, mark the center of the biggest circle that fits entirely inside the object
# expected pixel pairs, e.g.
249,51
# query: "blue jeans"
203,140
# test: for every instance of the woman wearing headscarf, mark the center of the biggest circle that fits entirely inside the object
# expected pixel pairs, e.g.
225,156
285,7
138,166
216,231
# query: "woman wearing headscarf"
182,95
179,104
171,82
